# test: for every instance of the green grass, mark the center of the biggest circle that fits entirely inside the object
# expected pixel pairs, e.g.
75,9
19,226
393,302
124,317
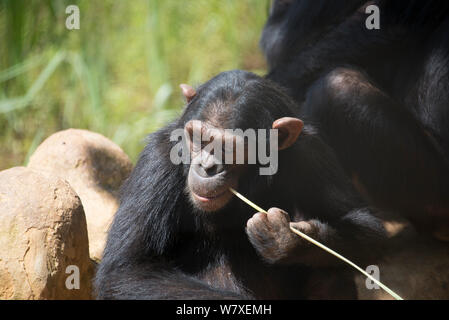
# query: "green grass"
119,74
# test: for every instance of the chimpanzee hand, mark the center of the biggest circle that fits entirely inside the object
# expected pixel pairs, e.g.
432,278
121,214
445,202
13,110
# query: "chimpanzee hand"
271,236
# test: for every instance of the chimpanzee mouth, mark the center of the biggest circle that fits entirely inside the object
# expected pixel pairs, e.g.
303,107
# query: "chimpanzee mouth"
209,197
211,202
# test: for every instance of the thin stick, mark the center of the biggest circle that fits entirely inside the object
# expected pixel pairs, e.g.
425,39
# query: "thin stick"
322,246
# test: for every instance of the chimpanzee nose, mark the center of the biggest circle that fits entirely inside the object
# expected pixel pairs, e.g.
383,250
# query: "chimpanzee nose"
210,170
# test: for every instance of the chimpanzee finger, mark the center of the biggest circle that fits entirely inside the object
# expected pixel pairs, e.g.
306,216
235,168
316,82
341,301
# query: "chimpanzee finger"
278,216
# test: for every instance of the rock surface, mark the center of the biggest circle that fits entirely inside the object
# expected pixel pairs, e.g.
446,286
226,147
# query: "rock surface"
415,267
42,232
95,167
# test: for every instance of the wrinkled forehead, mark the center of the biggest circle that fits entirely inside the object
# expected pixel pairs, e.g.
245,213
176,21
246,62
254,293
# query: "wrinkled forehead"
203,131
208,129
219,114
242,113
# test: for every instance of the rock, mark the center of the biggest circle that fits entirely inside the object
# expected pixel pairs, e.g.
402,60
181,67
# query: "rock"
42,232
95,167
414,266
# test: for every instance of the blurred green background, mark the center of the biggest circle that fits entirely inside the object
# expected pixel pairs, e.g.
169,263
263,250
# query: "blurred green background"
119,74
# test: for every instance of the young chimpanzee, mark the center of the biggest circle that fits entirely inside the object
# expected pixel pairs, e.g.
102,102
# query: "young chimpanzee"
379,97
180,233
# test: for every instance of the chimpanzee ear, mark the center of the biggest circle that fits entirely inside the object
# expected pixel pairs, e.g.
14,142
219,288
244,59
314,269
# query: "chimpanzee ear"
188,92
289,131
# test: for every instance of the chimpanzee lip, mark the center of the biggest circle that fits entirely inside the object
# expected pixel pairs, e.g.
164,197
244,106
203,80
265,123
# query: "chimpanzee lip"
206,198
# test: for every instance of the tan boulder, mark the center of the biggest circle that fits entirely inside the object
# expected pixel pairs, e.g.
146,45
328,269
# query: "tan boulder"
414,266
95,167
42,233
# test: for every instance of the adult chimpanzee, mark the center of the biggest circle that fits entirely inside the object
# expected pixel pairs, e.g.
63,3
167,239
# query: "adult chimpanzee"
179,232
379,97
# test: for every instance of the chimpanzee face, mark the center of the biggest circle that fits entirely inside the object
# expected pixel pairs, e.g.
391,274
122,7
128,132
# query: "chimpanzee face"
212,173
219,156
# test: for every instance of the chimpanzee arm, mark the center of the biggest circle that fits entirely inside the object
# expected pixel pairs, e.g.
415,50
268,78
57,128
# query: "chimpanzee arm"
301,56
312,37
144,230
149,281
358,236
385,149
288,29
330,211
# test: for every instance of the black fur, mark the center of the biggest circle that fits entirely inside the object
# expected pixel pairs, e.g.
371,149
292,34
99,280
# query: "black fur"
160,247
387,117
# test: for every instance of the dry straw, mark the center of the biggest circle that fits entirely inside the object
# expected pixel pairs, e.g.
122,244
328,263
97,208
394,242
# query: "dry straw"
322,246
